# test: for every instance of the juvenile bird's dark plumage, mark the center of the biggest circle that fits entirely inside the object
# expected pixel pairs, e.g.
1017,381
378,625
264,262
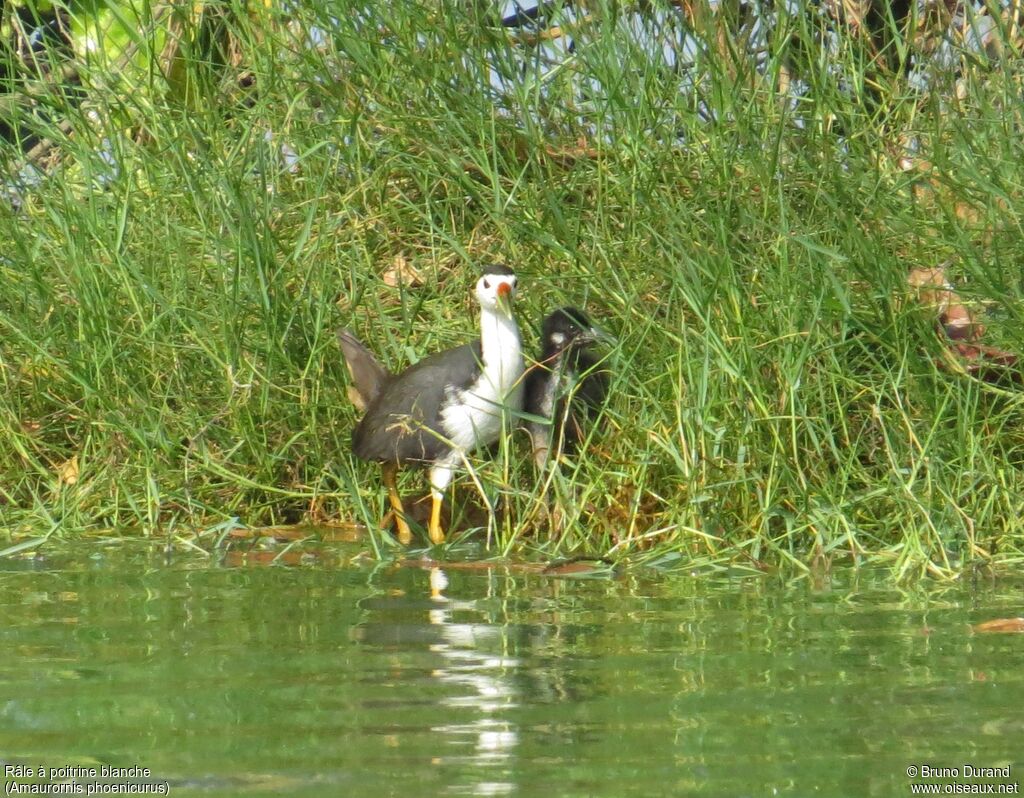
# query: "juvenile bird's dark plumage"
443,407
566,387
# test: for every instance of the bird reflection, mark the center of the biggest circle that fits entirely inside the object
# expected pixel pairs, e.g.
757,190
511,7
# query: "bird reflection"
483,682
469,670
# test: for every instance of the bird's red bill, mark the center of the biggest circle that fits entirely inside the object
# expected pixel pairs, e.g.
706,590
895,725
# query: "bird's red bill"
504,289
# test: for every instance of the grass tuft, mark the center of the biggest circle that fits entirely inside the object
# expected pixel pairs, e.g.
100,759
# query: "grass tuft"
739,204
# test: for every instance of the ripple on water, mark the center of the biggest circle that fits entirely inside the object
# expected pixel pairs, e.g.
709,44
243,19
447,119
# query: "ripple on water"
392,680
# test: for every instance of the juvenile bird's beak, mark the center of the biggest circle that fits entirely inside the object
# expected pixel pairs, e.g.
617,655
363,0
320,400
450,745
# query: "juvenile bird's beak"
598,336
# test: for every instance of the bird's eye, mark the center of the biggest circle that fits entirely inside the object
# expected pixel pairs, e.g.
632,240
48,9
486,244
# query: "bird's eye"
487,283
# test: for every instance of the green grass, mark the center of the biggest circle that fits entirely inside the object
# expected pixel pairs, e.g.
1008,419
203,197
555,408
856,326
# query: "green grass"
776,400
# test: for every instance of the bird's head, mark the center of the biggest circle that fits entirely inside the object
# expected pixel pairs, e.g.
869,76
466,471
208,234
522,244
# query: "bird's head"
495,289
567,327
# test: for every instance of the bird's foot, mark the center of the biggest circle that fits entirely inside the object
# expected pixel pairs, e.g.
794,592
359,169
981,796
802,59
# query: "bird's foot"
434,531
402,531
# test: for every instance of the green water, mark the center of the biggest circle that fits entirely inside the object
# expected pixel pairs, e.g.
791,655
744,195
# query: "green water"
333,679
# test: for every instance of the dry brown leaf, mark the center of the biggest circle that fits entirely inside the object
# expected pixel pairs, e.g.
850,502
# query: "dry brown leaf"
428,563
402,272
978,355
566,156
932,286
235,558
934,291
1000,625
961,331
577,568
345,533
67,472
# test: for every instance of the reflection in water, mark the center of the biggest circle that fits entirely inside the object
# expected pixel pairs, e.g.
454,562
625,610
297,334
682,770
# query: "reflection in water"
346,681
470,659
483,682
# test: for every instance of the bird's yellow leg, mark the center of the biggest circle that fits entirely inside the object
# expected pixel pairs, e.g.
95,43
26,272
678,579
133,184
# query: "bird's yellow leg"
440,477
404,533
434,530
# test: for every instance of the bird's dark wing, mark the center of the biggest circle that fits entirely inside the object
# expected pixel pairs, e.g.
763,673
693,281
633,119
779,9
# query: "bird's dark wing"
404,422
368,375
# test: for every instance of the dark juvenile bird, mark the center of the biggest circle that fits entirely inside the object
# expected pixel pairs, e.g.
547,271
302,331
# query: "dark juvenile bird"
443,407
566,387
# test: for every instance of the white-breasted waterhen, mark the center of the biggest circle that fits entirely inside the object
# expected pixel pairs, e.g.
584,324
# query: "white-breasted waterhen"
567,385
444,406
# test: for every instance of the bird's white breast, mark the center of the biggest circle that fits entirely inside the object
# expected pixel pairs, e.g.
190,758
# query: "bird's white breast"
473,416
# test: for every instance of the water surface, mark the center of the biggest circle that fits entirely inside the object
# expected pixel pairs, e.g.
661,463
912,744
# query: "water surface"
328,678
